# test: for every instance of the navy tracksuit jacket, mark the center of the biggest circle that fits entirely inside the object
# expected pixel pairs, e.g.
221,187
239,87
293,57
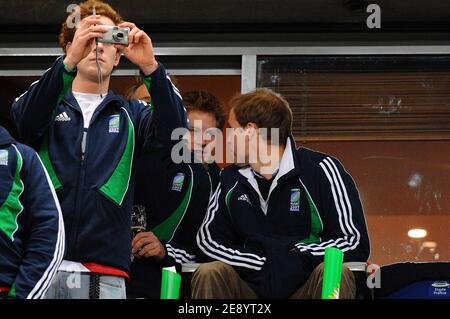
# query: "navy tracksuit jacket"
31,224
275,244
93,171
175,207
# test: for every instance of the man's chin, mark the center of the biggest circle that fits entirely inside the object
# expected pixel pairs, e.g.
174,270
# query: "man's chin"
239,161
92,71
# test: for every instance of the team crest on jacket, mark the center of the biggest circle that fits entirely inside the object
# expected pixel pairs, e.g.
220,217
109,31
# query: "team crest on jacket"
177,184
114,123
4,157
295,200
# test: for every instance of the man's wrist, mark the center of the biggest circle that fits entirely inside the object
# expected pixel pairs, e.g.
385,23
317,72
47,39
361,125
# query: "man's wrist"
149,68
69,65
161,255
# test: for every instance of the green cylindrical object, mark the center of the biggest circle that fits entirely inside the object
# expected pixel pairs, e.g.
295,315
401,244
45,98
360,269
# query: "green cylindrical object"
170,284
332,272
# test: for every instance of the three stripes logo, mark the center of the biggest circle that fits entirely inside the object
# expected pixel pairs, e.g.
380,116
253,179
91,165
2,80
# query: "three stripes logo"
245,198
63,117
4,157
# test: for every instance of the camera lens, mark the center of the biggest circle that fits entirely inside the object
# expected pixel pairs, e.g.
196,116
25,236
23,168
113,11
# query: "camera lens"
118,36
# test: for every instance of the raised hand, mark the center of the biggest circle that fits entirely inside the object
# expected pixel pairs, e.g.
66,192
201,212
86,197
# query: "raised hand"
140,49
81,45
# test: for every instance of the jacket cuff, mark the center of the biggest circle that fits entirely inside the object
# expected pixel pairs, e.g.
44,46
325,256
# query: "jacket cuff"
154,76
66,69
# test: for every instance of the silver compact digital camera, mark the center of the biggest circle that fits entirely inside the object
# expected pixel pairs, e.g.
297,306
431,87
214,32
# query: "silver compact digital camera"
115,35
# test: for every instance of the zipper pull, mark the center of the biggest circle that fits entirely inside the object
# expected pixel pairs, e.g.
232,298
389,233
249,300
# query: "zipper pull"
83,144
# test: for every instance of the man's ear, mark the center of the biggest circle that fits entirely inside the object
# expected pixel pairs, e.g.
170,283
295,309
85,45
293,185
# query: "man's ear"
117,58
251,129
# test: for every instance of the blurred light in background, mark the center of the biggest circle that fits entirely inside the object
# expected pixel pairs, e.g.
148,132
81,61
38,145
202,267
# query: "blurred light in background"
417,233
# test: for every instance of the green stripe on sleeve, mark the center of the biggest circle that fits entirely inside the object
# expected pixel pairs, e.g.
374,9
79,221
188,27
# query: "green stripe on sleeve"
12,206
45,156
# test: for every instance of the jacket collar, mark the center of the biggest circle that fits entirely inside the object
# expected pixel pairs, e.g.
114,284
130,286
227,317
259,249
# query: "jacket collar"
288,167
291,166
5,137
70,99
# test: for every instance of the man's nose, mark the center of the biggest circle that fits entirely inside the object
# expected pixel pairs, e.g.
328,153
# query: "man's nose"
100,46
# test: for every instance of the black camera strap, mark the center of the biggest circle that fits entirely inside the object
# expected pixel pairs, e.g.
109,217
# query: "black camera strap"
99,70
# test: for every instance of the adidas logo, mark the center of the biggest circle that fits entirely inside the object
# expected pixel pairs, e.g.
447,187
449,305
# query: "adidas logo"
245,198
63,117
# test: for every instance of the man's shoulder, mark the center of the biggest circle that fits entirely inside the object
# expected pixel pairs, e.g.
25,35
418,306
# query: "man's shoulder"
197,170
315,161
132,105
313,157
230,171
25,150
136,103
230,175
28,156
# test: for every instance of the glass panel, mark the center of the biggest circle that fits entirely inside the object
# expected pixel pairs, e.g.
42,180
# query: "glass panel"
365,98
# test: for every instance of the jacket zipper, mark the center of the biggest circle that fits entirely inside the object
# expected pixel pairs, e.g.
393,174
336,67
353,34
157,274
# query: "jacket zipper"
82,173
80,186
267,265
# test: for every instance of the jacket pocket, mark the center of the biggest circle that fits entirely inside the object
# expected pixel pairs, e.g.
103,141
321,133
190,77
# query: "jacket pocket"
111,211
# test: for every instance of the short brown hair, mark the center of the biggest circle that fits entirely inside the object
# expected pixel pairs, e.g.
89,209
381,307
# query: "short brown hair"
138,82
85,8
266,109
129,93
205,102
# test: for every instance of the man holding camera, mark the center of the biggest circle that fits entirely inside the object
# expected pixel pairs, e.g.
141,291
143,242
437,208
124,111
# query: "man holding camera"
89,139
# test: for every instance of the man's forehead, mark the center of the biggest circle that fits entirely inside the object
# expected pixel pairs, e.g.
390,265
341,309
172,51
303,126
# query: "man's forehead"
201,119
105,20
